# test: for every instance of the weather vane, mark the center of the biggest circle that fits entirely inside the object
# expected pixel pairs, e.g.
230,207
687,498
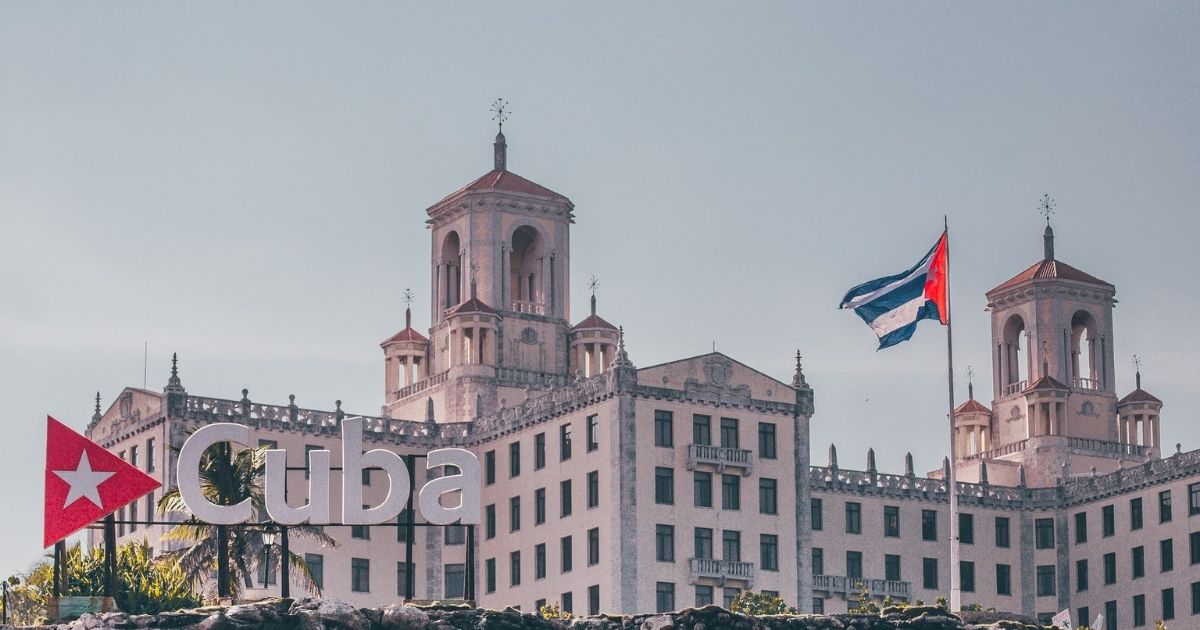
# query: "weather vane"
1137,363
500,109
592,284
1047,207
407,296
970,375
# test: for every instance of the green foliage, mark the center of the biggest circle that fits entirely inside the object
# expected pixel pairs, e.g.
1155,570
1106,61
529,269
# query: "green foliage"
553,611
976,607
864,606
758,604
942,601
1159,625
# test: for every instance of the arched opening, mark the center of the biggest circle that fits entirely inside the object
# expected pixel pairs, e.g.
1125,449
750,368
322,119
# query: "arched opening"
450,271
525,270
1083,351
1014,364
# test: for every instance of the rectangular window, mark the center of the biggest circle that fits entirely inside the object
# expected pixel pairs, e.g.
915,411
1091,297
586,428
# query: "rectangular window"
514,514
593,432
366,476
1043,529
514,568
539,506
152,455
133,514
402,579
1080,528
731,545
1002,534
929,525
966,576
564,442
891,521
1081,575
664,486
703,537
766,496
664,428
402,526
361,532
818,605
1082,615
854,565
1003,579
316,567
818,561
702,489
702,430
766,440
564,493
1194,547
966,528
853,517
729,433
489,521
817,515
514,459
566,550
593,546
1045,580
489,468
1164,506
489,575
1166,554
455,580
1137,557
567,601
1108,521
704,595
727,597
133,460
455,534
1135,513
1194,498
593,489
1110,615
929,574
1168,604
891,567
664,543
1110,568
1139,611
594,599
360,575
539,451
731,492
664,597
1196,598
768,552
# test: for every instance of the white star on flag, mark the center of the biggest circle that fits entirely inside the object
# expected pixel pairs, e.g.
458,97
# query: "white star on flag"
84,482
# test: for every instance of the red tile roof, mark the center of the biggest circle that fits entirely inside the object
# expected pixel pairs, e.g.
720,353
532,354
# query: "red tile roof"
1139,395
473,305
1050,269
592,322
408,334
497,179
972,406
1046,382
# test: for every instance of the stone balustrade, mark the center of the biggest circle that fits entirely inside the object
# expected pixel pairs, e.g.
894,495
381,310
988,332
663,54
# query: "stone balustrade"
721,570
721,457
847,586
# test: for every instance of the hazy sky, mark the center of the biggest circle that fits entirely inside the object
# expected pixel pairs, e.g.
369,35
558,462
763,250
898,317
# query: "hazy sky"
245,183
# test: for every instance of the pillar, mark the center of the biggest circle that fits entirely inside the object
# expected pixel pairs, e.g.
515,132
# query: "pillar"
1147,429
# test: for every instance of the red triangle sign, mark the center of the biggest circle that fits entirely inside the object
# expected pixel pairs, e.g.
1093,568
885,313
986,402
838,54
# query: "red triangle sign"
84,482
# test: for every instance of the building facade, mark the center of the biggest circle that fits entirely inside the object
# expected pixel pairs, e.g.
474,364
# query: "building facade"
612,488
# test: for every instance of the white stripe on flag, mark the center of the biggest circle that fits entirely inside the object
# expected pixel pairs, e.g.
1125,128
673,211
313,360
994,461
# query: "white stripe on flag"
898,317
858,301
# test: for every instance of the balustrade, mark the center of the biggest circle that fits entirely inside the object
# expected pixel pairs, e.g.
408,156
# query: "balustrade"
721,457
722,570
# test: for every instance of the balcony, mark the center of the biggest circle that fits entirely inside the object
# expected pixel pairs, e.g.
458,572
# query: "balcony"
1014,388
530,308
846,586
721,570
720,457
1085,383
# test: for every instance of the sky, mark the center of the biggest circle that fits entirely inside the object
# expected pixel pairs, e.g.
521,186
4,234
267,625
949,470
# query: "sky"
246,183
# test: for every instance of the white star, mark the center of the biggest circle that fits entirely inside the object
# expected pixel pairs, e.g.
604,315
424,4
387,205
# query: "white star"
85,482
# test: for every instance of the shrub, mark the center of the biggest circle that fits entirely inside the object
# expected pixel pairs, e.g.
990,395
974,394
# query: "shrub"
758,604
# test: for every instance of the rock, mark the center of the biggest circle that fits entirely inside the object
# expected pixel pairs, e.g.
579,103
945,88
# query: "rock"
661,622
401,617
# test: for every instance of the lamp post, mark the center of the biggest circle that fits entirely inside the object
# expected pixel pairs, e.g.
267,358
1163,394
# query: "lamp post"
278,533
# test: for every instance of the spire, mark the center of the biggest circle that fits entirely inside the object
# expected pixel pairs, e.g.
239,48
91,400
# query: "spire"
174,384
407,296
983,476
871,460
833,456
908,465
798,380
970,383
500,147
592,284
1137,367
1047,209
622,359
96,414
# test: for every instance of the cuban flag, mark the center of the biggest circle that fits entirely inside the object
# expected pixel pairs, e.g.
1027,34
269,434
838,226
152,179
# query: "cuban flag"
892,306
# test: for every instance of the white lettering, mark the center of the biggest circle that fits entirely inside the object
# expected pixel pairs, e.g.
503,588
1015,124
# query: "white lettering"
190,489
466,483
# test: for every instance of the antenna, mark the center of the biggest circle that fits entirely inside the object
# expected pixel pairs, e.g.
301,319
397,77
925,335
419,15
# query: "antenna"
145,362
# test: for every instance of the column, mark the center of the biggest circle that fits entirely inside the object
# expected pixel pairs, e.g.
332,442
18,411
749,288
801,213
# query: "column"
1147,430
1052,413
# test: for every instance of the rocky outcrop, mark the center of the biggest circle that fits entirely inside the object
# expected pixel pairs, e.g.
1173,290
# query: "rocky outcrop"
329,614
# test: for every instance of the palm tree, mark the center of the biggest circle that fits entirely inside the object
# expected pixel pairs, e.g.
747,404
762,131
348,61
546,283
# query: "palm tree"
228,479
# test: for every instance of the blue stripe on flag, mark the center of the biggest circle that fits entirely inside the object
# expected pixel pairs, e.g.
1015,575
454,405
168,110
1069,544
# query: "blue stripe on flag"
927,311
874,285
885,303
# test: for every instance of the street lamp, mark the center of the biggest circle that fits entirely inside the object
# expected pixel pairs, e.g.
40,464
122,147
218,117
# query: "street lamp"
272,534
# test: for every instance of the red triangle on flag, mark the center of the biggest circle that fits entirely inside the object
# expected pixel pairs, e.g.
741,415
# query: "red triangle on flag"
85,482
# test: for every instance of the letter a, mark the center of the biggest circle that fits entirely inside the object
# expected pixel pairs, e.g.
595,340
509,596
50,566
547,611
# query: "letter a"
466,483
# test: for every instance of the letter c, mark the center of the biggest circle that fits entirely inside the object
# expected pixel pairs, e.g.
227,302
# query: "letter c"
189,474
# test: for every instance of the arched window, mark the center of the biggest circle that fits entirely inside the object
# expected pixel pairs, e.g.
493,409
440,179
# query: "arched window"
525,270
1084,372
1014,364
450,284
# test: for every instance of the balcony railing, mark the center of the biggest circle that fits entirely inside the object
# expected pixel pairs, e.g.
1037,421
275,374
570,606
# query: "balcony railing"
1085,383
845,585
721,570
1014,388
532,308
421,385
720,457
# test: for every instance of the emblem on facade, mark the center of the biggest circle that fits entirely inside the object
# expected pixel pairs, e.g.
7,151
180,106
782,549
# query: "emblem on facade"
1014,414
717,371
1088,409
529,336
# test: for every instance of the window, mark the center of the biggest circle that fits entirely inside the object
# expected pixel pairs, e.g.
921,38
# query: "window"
1168,604
929,574
568,602
853,517
729,433
514,568
854,565
1002,537
731,492
891,567
455,534
1110,568
817,515
702,489
366,476
489,468
594,599
1080,528
539,561
133,516
704,595
539,506
1082,615
768,552
966,528
664,486
1043,529
1194,499
402,525
1110,615
361,532
152,455
360,575
564,493
514,514
133,456
1194,547
514,459
766,496
702,430
593,546
703,537
1138,559
818,561
1196,598
266,568
455,580
966,576
1139,611
1164,506
664,428
929,525
316,567
1108,521
766,440
539,451
1135,513
564,442
1003,579
489,575
891,521
731,545
593,432
664,543
1045,580
818,605
489,521
593,489
727,597
566,550
1166,554
1081,575
401,579
308,448
664,596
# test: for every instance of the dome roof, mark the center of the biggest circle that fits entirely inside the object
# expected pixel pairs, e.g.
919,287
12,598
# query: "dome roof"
594,322
473,305
972,406
1139,395
406,335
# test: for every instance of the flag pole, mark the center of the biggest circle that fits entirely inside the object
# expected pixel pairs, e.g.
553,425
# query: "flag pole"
951,486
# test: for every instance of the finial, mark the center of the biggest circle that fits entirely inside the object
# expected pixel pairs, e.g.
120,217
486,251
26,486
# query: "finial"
833,456
1047,209
1021,475
174,364
592,284
870,460
622,358
407,296
338,413
474,269
798,380
908,465
970,383
174,384
1045,358
500,109
96,414
983,476
946,470
429,409
1137,367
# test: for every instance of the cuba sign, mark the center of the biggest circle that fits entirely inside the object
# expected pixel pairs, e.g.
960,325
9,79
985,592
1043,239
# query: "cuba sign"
465,483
